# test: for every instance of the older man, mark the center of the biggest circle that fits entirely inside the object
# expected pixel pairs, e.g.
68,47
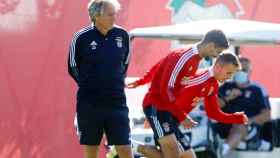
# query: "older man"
98,60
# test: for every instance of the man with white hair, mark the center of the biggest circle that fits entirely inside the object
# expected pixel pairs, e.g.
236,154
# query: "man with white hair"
98,61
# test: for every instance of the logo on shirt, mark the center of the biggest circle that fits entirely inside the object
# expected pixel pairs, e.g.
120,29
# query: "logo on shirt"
119,42
203,90
248,94
190,69
228,92
93,45
184,80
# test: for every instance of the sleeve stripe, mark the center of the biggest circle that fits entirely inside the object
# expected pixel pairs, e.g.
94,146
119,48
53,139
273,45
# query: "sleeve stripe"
129,52
73,45
157,126
179,65
75,70
199,79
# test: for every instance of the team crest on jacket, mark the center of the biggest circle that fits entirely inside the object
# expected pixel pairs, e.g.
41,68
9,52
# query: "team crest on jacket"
119,42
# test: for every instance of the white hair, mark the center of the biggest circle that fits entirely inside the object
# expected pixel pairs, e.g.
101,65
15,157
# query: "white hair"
96,7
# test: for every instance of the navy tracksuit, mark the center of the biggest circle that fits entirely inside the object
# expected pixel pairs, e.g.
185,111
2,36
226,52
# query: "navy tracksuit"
98,63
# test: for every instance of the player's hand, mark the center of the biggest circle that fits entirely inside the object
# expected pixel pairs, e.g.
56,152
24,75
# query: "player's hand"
132,85
244,117
189,123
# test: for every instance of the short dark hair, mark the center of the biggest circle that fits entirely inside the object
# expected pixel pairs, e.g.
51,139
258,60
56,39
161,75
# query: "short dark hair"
228,58
245,64
217,37
243,59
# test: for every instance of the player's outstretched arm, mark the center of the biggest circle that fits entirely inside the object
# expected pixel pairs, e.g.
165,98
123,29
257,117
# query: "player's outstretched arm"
147,78
213,111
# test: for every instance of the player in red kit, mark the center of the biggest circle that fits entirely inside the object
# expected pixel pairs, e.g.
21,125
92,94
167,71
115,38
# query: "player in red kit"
168,73
178,64
165,118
